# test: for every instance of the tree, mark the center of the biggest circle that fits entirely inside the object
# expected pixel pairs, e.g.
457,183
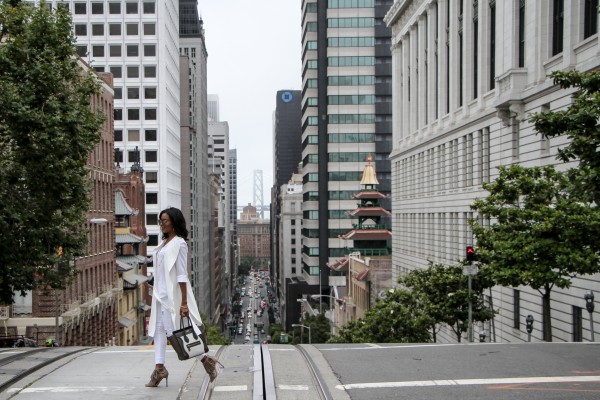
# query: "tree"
539,235
580,123
47,130
444,296
399,318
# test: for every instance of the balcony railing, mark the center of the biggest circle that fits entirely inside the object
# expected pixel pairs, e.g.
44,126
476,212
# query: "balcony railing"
371,252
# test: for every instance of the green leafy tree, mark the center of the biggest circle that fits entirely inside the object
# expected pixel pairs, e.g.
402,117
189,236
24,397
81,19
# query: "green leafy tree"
538,236
47,130
399,318
580,123
444,296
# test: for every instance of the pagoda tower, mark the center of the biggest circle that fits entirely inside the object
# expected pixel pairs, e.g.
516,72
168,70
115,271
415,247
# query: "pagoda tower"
370,236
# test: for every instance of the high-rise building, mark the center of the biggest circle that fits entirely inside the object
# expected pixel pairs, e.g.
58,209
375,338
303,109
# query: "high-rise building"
218,155
287,153
213,108
346,115
194,148
138,42
287,135
467,77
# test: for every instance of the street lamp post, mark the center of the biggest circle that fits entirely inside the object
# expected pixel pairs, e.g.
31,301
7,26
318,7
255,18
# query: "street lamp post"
589,305
304,326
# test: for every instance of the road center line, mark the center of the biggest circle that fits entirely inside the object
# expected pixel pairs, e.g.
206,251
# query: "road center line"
464,382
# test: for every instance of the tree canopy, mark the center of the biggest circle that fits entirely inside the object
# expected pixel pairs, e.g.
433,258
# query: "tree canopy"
444,296
399,318
47,130
539,235
579,123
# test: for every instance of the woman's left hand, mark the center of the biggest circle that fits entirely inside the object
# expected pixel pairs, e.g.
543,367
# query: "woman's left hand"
184,311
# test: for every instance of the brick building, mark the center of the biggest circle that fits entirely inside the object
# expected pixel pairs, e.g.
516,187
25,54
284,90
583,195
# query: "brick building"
254,235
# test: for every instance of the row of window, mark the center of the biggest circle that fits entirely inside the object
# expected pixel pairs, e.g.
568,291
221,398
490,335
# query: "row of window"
351,3
133,135
115,29
332,214
133,93
351,99
133,71
97,8
133,156
350,61
350,42
116,50
337,157
353,22
133,114
334,176
351,118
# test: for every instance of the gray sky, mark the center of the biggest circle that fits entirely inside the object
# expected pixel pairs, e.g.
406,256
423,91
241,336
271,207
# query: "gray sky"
254,50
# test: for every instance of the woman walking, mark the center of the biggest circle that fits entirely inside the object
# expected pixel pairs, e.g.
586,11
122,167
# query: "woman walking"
172,297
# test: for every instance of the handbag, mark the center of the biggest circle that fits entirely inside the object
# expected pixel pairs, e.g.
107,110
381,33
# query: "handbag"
186,342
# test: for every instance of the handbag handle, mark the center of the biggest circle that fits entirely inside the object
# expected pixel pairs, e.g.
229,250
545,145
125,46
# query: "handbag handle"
189,324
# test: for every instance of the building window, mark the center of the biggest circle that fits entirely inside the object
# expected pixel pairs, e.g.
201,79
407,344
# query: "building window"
149,29
118,156
149,50
149,7
150,93
114,29
150,135
151,156
577,324
116,71
151,177
97,8
590,18
114,8
149,71
150,114
132,50
131,8
516,309
133,114
118,135
515,137
118,114
151,198
81,50
152,240
98,51
114,50
521,33
81,29
461,47
133,135
118,93
133,156
151,219
80,8
558,9
475,48
132,29
133,92
133,71
293,268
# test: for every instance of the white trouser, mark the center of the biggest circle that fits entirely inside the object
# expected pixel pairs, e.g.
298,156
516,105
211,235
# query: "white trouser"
164,328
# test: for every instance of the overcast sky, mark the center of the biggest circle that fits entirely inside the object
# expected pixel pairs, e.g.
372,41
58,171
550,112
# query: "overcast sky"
254,50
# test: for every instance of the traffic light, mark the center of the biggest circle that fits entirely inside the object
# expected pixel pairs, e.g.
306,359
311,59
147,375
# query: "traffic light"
470,254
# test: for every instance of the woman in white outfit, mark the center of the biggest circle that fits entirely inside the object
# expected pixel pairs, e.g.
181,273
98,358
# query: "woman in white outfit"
172,297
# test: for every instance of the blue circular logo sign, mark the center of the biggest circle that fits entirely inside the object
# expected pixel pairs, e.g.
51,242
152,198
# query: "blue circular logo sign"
286,97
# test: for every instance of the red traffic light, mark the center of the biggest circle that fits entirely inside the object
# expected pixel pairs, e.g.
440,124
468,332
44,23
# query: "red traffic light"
470,253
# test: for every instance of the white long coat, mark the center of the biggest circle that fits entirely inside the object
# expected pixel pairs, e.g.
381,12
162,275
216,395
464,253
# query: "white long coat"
173,290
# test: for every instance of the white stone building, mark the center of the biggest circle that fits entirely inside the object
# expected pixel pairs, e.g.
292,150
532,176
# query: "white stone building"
138,42
466,76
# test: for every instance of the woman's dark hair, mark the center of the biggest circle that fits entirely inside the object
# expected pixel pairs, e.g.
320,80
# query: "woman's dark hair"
178,221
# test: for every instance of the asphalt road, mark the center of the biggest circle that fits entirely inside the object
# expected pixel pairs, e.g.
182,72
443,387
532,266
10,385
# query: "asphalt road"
560,371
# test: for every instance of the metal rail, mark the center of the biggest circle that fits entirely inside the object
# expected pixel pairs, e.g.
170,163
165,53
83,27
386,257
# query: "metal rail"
29,371
322,389
206,387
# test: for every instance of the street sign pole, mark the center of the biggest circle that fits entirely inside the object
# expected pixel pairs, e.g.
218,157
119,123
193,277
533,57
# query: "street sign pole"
469,271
